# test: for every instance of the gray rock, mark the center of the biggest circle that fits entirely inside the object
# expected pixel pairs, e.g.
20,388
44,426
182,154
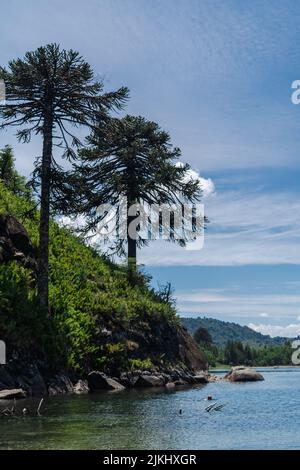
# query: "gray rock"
32,381
100,381
180,382
170,385
125,379
201,378
15,243
150,381
11,394
27,378
37,385
188,377
175,375
243,374
81,387
60,385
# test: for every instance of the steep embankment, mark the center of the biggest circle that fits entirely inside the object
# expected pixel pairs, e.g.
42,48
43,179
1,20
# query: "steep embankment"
98,321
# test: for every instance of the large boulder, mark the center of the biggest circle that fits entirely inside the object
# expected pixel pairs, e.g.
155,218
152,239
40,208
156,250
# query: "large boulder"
150,381
60,385
11,394
243,374
100,381
15,243
32,381
25,376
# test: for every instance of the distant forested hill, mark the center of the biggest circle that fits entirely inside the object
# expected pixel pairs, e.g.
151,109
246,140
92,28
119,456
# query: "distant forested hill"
222,331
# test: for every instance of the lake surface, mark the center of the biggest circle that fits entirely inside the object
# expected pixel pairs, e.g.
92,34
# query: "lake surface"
259,415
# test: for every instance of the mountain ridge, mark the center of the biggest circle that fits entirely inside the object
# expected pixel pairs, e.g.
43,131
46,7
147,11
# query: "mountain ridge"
222,332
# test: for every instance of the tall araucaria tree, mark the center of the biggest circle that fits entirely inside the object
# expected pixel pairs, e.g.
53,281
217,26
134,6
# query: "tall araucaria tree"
132,158
48,92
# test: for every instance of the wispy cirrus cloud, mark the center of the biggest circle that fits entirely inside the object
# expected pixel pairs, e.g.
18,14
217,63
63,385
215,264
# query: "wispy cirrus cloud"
227,303
245,228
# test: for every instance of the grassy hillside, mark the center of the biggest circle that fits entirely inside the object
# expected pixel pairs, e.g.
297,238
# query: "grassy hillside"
222,332
97,319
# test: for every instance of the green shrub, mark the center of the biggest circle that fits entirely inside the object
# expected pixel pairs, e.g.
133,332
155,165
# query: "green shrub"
141,364
87,293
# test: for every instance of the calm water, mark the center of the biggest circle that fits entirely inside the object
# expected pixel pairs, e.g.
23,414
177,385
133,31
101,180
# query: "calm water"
261,415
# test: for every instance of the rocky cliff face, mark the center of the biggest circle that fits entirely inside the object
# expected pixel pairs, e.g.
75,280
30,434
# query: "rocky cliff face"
15,244
171,349
162,341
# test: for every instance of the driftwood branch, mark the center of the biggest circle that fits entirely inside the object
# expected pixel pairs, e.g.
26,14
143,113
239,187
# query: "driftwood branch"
14,412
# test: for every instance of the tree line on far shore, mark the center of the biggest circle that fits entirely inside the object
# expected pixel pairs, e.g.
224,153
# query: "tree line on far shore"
236,353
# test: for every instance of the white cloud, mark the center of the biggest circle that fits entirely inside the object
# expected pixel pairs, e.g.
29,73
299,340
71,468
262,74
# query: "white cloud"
290,331
245,228
207,185
264,315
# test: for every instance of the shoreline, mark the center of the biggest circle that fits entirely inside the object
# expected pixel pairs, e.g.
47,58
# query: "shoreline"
290,366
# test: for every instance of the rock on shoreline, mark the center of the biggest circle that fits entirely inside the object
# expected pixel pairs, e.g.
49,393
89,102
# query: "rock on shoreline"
12,394
34,384
243,374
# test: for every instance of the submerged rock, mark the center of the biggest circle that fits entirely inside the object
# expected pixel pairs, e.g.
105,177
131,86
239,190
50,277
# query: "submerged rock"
170,385
243,374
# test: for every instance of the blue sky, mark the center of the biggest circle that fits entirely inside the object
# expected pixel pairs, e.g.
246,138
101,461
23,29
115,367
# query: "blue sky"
217,75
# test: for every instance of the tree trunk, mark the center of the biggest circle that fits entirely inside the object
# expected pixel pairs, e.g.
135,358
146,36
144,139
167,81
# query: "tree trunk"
132,245
43,272
131,253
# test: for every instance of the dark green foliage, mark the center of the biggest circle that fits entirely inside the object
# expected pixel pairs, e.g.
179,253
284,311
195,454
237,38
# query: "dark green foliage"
8,174
49,91
54,81
22,321
235,353
132,158
202,336
89,297
205,342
